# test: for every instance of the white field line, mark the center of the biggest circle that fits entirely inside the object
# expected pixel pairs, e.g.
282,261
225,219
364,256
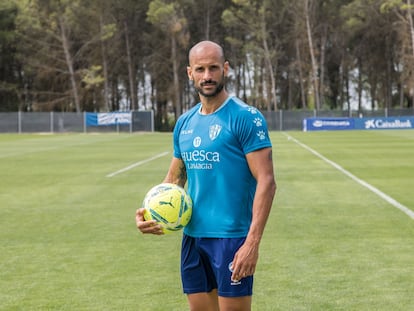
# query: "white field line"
137,164
378,192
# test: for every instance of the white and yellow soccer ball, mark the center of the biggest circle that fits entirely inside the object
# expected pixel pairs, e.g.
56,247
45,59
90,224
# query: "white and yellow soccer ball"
169,205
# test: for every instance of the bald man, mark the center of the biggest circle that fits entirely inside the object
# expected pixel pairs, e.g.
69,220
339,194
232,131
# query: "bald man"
223,150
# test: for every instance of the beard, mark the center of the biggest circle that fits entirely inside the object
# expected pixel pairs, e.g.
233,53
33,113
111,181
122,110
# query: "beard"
219,87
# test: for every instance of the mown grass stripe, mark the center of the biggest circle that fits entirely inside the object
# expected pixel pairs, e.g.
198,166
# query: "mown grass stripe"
125,169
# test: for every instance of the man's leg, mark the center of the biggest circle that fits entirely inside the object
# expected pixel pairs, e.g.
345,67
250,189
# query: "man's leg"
203,301
235,303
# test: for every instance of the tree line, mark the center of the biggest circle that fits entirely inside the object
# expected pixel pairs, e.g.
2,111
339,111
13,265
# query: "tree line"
72,55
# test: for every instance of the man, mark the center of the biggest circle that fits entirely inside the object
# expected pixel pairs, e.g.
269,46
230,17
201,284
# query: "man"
223,148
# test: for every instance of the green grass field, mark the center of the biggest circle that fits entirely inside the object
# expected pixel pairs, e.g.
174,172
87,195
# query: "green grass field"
69,241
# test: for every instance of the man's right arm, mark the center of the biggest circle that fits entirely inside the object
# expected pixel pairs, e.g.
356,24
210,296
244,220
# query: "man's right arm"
176,173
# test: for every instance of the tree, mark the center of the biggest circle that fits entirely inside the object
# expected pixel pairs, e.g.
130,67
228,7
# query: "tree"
370,40
252,17
50,49
9,77
315,76
405,29
169,18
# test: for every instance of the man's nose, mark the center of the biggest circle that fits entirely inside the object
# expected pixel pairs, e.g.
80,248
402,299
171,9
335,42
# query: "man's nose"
207,75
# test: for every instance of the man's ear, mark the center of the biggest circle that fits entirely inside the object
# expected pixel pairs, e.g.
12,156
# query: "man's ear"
189,73
226,68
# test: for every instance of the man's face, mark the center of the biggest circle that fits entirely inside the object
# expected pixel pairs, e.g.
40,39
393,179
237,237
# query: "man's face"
208,72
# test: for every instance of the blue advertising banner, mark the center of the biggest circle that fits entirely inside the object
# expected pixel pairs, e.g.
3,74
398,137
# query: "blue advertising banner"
110,118
329,124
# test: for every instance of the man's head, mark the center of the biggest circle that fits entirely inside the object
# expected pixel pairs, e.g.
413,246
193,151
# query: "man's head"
207,68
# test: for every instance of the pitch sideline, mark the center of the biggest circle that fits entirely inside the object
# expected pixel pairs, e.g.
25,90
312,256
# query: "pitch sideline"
370,187
137,164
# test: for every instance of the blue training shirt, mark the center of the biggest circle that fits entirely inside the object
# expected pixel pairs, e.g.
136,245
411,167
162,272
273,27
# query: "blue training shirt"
213,148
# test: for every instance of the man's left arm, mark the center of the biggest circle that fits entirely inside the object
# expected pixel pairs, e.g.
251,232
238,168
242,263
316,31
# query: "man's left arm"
261,166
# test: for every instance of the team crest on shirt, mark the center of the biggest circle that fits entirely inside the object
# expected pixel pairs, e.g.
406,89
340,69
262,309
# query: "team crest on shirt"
214,131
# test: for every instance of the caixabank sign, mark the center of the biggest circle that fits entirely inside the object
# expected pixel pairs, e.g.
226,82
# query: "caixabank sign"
334,124
384,123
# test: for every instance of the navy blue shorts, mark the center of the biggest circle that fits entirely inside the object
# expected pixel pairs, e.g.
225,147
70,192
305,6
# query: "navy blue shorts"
205,265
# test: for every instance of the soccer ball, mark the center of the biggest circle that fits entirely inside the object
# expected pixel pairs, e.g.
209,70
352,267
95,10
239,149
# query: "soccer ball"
169,205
